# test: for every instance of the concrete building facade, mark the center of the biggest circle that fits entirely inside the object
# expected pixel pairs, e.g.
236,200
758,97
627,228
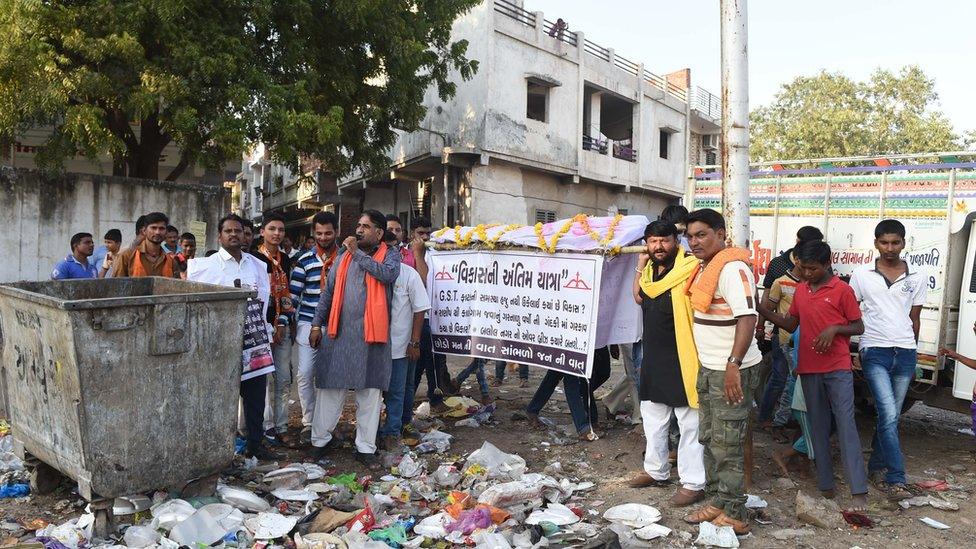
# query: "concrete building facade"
551,125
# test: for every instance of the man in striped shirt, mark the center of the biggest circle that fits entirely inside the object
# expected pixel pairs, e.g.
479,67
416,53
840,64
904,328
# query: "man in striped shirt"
307,278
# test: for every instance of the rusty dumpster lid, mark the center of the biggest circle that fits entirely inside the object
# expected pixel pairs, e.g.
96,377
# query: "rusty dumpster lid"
119,292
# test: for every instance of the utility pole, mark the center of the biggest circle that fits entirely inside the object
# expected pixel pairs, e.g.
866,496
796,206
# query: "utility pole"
735,121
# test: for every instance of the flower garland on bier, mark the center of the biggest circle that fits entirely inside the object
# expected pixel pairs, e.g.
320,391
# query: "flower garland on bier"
580,233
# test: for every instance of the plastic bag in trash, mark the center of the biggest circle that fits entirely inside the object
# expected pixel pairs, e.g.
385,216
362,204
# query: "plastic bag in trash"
200,527
652,531
471,520
469,422
556,513
359,540
295,495
348,480
490,540
394,535
446,476
71,534
409,467
716,536
510,493
434,526
498,464
319,541
635,515
227,516
169,513
290,477
245,500
140,536
14,490
440,440
270,525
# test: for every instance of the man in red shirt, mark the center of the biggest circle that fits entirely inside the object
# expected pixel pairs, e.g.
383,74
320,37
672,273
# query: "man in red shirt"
827,313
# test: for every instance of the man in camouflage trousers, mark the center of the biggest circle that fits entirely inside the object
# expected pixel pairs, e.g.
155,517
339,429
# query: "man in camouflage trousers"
723,298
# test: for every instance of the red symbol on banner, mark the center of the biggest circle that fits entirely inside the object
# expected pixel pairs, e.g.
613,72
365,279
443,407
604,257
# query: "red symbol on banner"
577,283
443,274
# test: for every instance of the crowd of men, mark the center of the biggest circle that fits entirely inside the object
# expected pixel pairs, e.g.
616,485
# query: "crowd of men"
357,310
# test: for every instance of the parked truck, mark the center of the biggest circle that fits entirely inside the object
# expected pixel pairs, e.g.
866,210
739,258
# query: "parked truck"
934,195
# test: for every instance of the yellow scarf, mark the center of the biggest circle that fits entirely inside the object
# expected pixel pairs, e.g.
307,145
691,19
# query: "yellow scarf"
675,280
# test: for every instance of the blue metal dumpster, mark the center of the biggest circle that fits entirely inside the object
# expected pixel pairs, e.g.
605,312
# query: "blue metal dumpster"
125,385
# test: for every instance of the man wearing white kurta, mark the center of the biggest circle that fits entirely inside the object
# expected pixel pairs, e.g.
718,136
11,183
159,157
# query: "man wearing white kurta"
670,365
232,267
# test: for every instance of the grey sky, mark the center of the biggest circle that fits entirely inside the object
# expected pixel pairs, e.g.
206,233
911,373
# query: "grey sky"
791,38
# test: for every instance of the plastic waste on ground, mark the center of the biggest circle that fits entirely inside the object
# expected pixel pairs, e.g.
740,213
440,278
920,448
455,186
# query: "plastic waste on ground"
635,515
198,528
130,505
14,490
169,513
934,523
471,520
227,516
490,540
270,525
434,526
394,535
243,499
319,541
8,460
555,513
410,467
716,536
303,494
72,534
348,480
140,536
652,531
440,441
755,502
499,464
289,478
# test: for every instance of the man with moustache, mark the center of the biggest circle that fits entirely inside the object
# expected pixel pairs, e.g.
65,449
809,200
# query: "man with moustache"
669,370
147,257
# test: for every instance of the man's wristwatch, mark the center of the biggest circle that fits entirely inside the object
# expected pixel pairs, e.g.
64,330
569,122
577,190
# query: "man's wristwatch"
736,361
415,344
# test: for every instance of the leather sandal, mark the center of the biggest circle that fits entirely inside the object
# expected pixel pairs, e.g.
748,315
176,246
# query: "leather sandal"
684,497
707,513
740,528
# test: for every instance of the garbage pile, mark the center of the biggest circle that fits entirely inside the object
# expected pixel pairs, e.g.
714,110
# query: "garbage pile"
427,497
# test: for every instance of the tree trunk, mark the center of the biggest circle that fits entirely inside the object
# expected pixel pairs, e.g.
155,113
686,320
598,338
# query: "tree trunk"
180,167
144,160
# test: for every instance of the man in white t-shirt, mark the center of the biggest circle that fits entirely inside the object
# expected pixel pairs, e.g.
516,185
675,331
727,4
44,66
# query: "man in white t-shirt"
723,298
410,302
891,298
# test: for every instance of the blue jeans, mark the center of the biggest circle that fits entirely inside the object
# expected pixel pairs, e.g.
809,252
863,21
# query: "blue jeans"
637,354
394,397
428,363
578,390
523,370
775,384
889,371
477,367
409,392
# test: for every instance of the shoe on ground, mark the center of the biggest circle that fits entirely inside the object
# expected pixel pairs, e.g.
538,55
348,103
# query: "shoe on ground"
272,437
439,409
260,452
320,453
898,492
389,443
707,513
523,383
740,527
684,497
305,436
497,382
643,480
369,460
877,479
486,400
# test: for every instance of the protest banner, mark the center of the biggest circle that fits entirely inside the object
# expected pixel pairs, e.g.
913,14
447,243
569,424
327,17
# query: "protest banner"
256,358
526,307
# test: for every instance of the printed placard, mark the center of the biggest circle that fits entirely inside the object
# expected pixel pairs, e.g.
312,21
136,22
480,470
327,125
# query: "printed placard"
531,308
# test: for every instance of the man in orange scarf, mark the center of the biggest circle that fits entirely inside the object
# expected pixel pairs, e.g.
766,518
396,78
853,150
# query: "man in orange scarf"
147,257
722,291
354,311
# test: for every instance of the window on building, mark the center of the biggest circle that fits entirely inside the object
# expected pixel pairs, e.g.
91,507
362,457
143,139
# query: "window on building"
545,216
537,101
665,143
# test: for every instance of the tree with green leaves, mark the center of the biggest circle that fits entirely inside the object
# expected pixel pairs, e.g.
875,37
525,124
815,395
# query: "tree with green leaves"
831,115
330,79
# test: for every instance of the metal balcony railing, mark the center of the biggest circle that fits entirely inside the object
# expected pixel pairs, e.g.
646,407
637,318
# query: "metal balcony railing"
514,11
595,144
625,150
527,18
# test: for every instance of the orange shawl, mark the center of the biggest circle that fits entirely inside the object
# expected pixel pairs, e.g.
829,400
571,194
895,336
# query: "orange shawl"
702,288
376,320
138,269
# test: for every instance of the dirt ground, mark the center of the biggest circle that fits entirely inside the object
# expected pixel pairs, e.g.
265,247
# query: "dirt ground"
931,442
